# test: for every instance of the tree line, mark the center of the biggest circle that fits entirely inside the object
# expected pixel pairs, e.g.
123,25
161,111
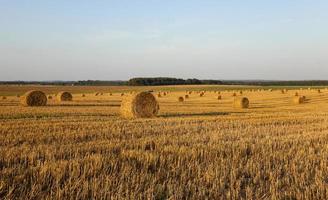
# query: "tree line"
156,81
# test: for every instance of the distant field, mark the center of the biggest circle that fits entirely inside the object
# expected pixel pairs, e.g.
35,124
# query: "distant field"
13,90
201,148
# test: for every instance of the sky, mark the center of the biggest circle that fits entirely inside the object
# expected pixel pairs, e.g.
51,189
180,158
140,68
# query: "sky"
206,39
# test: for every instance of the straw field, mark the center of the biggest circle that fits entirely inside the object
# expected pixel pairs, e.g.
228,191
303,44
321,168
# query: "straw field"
199,149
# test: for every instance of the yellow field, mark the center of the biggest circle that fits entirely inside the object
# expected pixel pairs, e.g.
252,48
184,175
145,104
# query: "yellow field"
201,148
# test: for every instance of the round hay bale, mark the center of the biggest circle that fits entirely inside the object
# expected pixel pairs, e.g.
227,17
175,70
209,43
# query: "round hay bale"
159,95
190,92
186,96
4,98
299,100
201,94
83,95
49,97
296,94
241,92
17,95
64,96
180,99
319,91
96,94
282,91
34,98
139,105
219,97
241,102
234,94
122,94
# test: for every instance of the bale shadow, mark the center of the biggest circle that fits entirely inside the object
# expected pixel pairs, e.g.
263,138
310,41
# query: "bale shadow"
194,114
83,105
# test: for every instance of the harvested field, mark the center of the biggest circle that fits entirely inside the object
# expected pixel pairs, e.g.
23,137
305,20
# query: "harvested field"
202,148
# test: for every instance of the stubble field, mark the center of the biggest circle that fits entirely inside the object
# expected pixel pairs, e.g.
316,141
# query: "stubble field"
202,148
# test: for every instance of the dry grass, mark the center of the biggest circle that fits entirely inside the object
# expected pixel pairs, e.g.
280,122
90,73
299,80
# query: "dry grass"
201,149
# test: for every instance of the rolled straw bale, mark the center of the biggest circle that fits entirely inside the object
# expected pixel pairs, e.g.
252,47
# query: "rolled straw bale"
241,102
64,96
139,105
299,99
33,98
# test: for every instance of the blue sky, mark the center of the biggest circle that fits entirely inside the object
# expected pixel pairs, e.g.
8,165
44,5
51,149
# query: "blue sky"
206,39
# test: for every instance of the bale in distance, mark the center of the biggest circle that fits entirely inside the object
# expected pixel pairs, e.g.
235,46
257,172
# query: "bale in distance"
201,94
4,98
34,98
186,96
64,96
49,97
180,99
219,97
296,94
139,105
319,91
299,100
83,95
122,94
241,102
234,94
